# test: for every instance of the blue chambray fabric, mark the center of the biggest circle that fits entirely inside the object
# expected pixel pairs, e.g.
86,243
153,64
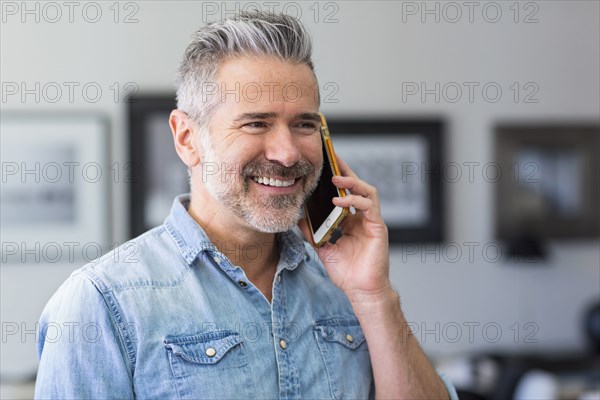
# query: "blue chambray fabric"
168,316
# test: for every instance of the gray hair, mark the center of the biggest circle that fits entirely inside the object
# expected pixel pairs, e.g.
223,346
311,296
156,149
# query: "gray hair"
248,34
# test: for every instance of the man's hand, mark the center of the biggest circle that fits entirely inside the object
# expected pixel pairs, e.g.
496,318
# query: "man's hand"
359,261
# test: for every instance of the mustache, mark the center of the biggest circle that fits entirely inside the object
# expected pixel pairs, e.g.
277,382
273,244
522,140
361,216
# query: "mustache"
270,168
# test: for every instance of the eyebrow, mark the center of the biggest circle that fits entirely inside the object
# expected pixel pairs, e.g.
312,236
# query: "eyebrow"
310,116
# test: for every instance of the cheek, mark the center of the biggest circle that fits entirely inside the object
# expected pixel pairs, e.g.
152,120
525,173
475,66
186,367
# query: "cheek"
240,150
313,152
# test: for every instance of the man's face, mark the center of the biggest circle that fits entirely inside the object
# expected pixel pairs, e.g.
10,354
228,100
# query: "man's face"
263,157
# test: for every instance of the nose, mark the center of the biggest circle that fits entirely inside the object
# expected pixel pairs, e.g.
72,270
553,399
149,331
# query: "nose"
281,147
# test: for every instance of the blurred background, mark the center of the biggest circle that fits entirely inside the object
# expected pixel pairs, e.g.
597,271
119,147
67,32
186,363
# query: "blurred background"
488,111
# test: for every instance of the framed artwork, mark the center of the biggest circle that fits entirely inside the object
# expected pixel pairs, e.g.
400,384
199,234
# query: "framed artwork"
550,182
402,158
55,193
158,173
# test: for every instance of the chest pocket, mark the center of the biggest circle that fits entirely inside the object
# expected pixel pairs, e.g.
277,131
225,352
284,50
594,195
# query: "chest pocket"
346,357
210,365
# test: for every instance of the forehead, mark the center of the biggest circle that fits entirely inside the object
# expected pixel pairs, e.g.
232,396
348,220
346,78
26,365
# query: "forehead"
247,79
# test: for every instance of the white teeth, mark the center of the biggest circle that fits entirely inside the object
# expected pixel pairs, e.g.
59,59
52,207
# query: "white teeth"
273,182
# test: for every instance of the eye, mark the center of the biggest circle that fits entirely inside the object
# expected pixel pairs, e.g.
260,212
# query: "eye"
307,127
256,124
255,127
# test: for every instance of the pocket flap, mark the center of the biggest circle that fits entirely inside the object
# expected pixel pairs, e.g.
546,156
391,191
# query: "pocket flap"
345,331
204,348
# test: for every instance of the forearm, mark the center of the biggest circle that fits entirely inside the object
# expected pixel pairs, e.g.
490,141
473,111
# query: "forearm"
400,368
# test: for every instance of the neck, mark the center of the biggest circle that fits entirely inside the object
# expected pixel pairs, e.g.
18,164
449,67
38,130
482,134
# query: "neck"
255,252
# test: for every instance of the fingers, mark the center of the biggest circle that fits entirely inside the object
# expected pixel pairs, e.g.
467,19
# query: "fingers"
355,185
358,202
367,207
363,196
349,180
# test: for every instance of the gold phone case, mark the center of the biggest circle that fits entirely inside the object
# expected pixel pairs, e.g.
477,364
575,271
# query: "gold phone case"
326,137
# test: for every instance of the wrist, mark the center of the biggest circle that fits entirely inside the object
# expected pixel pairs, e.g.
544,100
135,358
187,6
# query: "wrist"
372,303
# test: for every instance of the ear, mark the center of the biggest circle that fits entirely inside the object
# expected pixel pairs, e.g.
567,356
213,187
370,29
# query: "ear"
183,128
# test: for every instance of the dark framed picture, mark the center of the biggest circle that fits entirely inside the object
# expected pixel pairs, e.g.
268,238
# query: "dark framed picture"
158,175
550,182
402,158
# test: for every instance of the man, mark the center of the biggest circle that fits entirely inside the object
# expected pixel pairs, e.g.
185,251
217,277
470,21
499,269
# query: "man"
224,301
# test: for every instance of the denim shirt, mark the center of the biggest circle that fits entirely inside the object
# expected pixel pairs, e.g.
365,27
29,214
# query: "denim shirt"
167,315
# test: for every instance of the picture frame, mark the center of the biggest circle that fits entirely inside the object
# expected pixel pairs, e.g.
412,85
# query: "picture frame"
55,193
550,182
158,175
402,158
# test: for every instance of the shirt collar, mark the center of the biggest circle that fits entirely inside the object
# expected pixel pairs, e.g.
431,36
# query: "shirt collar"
191,239
185,231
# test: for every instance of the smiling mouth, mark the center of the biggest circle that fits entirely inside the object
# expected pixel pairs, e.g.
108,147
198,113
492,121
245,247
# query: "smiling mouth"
264,180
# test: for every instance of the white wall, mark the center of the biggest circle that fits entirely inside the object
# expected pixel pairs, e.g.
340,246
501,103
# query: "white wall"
372,49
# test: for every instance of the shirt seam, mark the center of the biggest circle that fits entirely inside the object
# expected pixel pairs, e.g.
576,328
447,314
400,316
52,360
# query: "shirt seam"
116,317
154,285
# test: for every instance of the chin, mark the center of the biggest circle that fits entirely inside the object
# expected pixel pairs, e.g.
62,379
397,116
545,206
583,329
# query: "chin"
274,225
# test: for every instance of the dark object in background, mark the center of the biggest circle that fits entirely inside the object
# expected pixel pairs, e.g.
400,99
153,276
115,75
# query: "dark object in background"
467,395
582,369
526,248
155,173
548,181
591,323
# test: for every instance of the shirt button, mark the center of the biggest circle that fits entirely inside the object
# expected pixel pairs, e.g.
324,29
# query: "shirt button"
211,352
218,260
282,344
349,338
242,284
278,278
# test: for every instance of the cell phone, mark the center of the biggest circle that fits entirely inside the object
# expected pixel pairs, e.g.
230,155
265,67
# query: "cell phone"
323,216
